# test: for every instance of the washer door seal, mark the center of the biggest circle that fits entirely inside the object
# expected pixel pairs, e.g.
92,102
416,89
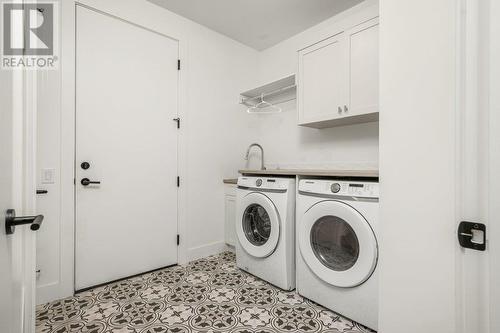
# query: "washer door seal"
258,225
338,244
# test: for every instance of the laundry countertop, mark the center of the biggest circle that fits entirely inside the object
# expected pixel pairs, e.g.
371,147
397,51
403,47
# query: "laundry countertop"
310,172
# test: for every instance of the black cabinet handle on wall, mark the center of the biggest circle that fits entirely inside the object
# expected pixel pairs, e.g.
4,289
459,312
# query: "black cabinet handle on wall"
11,221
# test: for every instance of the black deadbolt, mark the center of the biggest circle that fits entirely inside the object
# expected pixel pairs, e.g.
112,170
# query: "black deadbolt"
85,165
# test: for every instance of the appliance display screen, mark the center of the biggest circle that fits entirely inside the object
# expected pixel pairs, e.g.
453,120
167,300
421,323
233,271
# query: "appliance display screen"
356,185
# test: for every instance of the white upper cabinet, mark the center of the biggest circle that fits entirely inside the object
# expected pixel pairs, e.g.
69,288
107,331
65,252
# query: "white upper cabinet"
322,76
363,50
338,78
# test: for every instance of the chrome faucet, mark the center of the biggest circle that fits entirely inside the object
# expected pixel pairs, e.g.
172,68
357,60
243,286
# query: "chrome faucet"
262,167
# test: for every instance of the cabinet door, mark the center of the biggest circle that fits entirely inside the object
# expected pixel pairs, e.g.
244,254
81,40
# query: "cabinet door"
363,68
323,78
230,219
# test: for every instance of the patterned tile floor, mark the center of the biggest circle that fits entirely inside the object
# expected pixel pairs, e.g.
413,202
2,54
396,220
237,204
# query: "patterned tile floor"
207,295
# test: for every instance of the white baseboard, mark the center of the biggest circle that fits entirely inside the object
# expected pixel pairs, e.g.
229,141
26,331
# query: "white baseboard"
49,292
207,250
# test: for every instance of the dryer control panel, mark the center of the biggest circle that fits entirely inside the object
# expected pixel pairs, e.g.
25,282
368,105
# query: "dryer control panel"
265,183
339,188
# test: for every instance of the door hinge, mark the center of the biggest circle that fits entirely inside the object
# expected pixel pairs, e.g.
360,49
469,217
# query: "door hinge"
178,181
178,120
178,64
472,235
178,239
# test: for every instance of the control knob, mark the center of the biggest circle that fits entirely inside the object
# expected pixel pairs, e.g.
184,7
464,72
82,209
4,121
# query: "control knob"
335,188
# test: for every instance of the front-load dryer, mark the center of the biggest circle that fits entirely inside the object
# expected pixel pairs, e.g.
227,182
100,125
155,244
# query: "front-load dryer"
265,229
337,225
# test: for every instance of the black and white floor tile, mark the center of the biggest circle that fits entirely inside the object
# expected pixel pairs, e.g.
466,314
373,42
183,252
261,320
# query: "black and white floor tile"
207,295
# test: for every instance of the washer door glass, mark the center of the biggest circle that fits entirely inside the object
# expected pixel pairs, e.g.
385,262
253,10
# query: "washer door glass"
334,243
256,224
337,243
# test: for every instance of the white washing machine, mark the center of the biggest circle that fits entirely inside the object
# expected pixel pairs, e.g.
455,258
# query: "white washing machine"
337,224
265,228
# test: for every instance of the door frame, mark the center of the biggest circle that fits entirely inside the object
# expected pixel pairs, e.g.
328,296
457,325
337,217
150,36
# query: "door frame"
68,118
29,194
28,175
494,165
478,297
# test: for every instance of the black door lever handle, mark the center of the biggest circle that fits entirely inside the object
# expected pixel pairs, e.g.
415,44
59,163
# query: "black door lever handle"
11,221
87,182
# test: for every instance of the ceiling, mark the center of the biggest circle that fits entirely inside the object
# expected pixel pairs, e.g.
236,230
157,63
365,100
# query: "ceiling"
257,23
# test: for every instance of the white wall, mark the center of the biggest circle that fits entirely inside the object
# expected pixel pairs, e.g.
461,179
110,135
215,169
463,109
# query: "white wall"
289,145
418,164
215,129
214,70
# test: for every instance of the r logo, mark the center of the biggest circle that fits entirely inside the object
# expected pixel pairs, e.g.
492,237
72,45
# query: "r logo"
28,29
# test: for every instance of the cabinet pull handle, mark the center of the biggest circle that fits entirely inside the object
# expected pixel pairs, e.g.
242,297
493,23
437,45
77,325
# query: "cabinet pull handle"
345,108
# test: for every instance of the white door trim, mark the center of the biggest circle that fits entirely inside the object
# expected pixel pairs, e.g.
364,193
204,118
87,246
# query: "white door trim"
475,162
494,165
68,93
28,145
29,195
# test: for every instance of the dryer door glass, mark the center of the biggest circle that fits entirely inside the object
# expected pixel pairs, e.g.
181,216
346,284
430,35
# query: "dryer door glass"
334,243
256,224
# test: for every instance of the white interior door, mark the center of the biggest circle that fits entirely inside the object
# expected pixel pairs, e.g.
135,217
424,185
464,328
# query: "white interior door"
126,99
17,250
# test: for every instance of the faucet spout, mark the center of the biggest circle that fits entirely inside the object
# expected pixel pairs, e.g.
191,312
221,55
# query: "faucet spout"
262,167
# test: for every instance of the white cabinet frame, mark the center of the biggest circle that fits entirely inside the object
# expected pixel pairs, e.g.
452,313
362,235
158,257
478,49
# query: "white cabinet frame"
338,78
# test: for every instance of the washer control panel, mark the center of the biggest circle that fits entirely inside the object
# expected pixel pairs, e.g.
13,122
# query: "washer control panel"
340,188
266,183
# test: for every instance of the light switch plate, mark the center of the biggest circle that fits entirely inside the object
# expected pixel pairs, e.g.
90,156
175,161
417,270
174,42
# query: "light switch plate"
48,176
